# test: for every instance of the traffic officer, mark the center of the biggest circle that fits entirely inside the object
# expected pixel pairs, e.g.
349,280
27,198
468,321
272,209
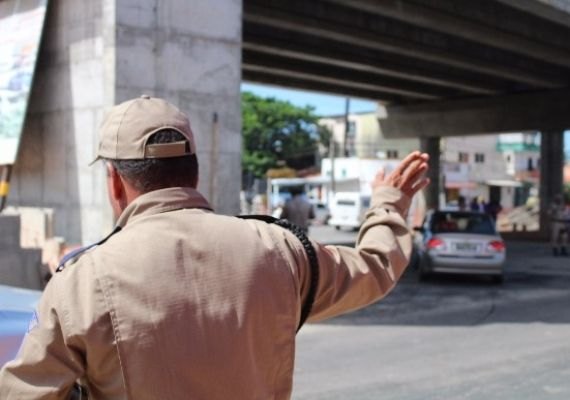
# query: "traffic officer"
181,303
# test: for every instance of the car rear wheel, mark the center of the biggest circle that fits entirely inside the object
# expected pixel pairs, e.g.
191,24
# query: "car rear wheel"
414,260
423,274
498,279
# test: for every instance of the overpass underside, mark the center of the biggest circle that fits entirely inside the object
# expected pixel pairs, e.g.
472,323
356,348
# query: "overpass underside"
441,67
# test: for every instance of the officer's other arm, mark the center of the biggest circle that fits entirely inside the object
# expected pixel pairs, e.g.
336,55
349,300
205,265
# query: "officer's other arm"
47,364
351,278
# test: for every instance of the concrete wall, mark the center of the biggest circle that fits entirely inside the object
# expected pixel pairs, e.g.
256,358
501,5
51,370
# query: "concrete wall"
18,267
100,52
189,52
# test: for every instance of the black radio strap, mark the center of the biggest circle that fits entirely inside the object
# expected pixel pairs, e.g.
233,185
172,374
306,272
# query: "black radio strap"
311,256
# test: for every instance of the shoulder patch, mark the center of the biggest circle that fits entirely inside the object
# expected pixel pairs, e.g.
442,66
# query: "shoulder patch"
77,252
33,322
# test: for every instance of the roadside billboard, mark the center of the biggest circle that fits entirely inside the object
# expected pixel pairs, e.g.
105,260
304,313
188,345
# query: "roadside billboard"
21,25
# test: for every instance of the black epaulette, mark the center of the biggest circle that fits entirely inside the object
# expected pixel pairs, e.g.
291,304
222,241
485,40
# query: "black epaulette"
77,252
311,256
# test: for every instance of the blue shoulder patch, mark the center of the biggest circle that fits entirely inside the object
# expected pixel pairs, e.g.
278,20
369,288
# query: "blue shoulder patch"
33,322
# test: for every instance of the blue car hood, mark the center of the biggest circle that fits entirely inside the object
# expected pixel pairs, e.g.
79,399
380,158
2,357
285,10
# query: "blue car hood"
16,309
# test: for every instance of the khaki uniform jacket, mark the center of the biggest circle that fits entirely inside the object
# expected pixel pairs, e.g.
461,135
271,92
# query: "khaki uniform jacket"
186,304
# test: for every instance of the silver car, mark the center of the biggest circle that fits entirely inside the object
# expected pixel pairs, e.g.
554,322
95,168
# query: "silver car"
459,242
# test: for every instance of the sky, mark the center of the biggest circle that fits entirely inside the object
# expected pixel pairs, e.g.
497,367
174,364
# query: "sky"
327,104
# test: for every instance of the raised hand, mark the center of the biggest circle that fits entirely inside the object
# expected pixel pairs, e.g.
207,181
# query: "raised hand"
409,175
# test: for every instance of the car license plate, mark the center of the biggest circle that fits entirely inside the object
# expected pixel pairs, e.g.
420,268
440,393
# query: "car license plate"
466,247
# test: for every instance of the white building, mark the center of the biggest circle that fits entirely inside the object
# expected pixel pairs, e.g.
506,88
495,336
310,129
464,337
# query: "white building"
499,168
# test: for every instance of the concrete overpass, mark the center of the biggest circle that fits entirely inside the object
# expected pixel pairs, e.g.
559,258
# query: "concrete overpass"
428,55
441,67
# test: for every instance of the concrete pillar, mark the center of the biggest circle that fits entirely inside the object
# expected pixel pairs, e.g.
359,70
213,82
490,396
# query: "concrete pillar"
551,172
432,147
98,53
189,52
18,267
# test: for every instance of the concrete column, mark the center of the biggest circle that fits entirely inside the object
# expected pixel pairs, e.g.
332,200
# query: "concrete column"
189,52
18,267
432,147
551,172
98,53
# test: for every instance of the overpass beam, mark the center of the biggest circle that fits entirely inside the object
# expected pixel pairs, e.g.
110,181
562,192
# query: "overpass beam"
551,173
430,17
458,117
432,147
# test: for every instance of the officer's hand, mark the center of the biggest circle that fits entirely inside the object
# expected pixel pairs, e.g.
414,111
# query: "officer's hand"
409,176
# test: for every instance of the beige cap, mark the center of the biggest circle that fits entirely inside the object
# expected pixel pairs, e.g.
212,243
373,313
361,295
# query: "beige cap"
128,126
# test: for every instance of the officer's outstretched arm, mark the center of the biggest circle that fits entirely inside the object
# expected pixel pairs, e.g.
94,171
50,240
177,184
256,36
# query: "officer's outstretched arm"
47,364
351,278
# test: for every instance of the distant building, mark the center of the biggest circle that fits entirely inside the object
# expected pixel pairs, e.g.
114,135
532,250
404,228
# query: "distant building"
501,167
365,139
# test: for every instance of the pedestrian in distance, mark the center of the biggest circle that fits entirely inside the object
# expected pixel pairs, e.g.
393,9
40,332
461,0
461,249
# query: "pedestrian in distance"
474,205
493,208
461,204
482,205
182,303
558,226
298,210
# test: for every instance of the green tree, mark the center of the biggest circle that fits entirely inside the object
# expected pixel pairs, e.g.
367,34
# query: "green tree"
275,130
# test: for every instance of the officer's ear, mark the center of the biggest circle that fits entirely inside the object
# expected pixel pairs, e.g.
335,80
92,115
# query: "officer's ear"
115,185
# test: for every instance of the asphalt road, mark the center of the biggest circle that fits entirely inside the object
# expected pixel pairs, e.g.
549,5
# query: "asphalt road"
450,338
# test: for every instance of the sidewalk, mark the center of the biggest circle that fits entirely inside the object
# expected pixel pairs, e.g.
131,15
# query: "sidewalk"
536,257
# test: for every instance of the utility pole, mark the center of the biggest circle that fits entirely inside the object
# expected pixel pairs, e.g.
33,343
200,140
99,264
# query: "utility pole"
332,151
346,128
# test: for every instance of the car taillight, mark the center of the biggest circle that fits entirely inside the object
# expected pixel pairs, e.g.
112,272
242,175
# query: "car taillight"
496,245
435,243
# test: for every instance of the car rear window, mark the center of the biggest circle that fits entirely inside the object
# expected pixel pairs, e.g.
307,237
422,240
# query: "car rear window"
462,223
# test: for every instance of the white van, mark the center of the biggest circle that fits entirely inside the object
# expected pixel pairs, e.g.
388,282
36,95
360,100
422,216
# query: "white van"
348,209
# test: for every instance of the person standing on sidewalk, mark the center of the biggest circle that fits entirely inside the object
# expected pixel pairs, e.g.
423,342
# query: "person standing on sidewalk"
182,303
298,210
558,227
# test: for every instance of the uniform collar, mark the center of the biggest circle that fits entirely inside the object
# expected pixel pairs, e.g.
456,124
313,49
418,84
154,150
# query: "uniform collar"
162,200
